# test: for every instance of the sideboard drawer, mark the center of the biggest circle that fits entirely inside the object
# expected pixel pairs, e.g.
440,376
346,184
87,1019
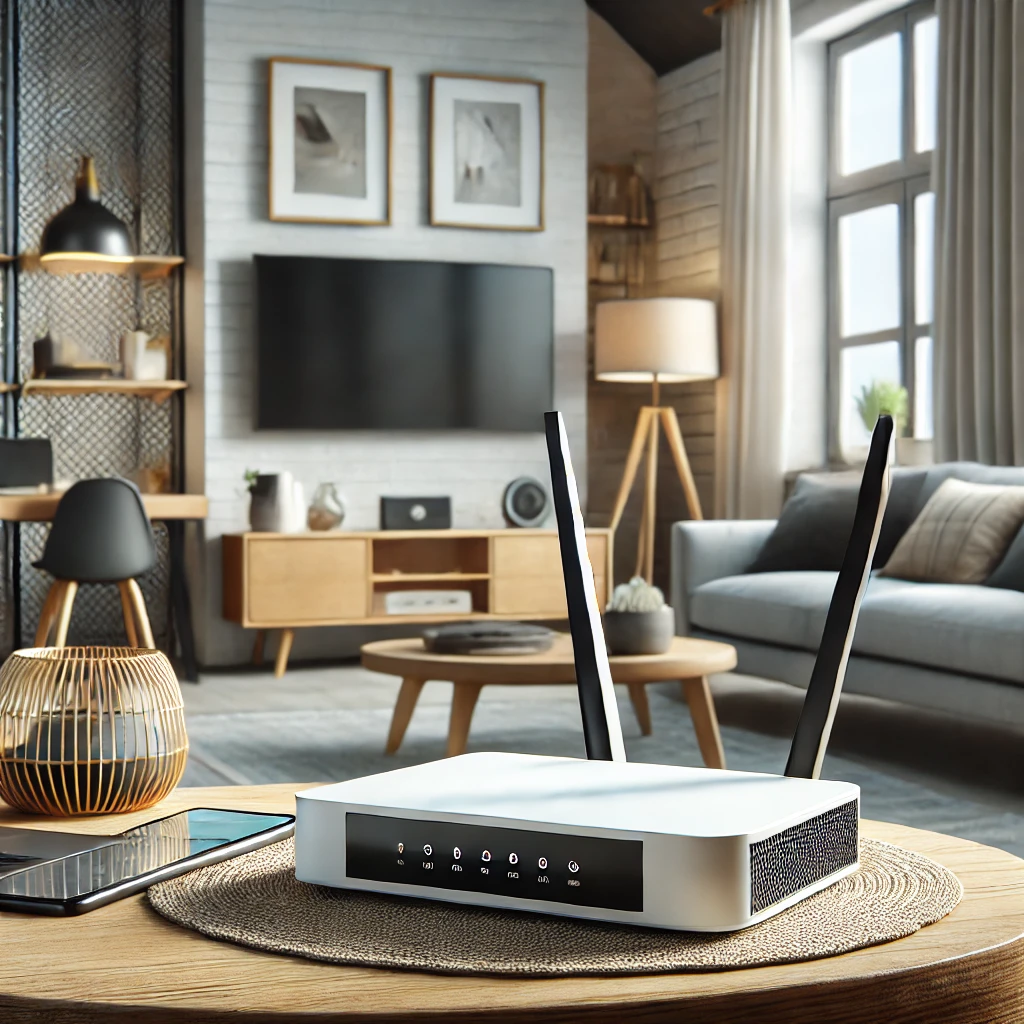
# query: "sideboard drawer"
296,581
528,575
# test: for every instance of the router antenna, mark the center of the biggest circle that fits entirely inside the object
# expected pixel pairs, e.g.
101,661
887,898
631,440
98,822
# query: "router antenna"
822,699
601,729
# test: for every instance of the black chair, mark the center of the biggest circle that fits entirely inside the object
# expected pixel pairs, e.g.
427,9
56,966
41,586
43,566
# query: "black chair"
100,534
25,461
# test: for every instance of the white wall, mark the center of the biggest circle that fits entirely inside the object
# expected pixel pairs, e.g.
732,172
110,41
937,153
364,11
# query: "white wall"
543,39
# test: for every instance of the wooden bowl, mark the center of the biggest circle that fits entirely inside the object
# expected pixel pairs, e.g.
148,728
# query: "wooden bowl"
89,730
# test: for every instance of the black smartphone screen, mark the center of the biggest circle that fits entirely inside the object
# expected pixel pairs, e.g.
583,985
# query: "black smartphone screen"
116,866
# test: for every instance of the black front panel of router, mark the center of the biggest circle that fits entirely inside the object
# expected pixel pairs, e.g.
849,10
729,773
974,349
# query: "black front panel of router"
585,871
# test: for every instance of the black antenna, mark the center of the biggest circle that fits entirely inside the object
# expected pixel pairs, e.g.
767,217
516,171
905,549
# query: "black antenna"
601,729
822,699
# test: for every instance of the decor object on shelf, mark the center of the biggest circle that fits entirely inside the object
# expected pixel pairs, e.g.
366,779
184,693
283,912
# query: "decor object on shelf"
486,152
428,602
277,503
330,142
89,730
637,620
525,502
327,510
618,195
144,357
492,638
100,534
656,341
85,230
415,513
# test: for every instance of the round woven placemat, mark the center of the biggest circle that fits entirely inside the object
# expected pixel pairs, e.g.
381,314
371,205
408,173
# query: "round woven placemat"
255,901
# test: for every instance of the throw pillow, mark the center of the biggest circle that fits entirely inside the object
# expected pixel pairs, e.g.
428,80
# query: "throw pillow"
814,527
961,534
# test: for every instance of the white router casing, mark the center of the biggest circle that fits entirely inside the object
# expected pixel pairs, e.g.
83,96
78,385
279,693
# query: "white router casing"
692,848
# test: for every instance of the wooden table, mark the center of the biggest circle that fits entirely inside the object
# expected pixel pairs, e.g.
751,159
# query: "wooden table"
18,505
123,962
691,661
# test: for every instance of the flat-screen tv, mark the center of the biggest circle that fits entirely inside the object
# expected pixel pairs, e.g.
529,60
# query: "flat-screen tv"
402,345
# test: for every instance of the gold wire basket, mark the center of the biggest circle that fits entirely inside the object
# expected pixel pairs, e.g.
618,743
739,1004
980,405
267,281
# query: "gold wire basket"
89,730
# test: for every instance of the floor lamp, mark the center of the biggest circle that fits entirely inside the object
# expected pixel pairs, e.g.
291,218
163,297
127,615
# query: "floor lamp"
655,341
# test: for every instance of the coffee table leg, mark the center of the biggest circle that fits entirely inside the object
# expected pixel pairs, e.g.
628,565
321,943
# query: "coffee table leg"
642,710
404,707
464,698
705,721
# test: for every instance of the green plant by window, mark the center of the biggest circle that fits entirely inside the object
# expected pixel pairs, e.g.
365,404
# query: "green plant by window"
882,397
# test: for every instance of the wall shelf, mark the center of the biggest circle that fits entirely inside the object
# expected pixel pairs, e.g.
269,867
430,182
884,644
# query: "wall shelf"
156,390
615,220
148,267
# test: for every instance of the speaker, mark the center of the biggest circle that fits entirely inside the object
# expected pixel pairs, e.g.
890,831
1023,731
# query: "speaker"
415,513
525,502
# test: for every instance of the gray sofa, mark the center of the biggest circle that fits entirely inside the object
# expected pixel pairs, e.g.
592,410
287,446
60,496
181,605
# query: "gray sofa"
958,648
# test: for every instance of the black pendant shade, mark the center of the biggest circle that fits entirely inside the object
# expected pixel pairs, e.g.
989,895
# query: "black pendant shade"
86,228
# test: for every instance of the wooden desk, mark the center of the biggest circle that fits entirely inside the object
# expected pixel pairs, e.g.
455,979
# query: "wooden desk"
21,506
125,962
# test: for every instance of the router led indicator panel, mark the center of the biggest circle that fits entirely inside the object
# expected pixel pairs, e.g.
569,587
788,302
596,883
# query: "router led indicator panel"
580,870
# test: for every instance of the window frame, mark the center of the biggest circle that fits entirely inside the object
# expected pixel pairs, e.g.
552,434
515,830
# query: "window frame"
898,182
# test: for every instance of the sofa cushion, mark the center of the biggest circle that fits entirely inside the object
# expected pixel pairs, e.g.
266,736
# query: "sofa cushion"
814,527
786,608
961,535
955,627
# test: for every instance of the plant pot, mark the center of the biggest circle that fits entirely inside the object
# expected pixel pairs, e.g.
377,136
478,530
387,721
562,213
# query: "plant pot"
639,632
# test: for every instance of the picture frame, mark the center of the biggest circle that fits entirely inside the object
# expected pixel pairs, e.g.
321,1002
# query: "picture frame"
486,152
330,141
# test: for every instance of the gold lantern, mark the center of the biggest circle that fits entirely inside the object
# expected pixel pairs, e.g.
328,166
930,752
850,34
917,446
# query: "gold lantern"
89,730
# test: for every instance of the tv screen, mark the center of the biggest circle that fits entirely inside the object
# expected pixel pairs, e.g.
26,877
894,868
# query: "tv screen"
402,345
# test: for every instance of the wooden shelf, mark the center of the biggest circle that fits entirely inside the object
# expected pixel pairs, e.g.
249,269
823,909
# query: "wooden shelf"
428,577
156,390
615,220
148,267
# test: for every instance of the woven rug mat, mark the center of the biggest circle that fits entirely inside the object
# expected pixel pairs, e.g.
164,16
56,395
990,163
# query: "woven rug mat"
254,900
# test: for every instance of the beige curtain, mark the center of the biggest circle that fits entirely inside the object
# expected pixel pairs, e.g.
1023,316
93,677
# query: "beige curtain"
979,254
755,218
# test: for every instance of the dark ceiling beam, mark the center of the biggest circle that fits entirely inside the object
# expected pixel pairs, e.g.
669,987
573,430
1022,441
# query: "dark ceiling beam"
666,33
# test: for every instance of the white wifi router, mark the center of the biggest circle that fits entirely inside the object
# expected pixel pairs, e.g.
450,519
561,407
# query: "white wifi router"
656,845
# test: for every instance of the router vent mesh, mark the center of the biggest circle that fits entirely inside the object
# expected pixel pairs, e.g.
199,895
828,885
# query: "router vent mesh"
791,860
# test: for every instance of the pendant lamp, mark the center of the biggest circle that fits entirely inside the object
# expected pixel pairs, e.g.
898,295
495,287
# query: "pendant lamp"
85,230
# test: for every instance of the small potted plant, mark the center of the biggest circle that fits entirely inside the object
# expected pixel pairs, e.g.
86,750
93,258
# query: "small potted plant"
637,620
884,396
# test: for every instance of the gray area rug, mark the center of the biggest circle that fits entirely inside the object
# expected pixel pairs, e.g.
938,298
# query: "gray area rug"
332,745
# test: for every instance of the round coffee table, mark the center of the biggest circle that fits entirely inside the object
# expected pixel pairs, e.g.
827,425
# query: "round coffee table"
124,962
688,660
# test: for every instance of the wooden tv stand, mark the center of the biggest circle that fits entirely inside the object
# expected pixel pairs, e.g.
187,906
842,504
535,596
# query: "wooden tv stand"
289,581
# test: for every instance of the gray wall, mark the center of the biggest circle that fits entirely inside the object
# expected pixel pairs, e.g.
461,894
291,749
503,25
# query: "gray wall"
543,39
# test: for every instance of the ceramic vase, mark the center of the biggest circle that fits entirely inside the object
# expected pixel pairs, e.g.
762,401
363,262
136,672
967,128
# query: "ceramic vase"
639,632
327,510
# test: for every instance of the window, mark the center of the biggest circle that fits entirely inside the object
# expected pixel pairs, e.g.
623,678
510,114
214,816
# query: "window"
882,103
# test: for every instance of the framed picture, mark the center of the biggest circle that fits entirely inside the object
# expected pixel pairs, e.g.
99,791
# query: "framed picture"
330,142
486,152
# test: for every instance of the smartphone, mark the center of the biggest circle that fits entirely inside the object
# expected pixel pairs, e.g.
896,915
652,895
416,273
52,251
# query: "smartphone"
66,873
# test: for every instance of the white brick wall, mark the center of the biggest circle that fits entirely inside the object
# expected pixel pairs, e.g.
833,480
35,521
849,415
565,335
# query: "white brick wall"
544,39
686,195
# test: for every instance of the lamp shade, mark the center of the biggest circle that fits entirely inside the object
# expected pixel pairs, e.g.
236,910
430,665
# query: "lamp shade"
85,228
668,340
